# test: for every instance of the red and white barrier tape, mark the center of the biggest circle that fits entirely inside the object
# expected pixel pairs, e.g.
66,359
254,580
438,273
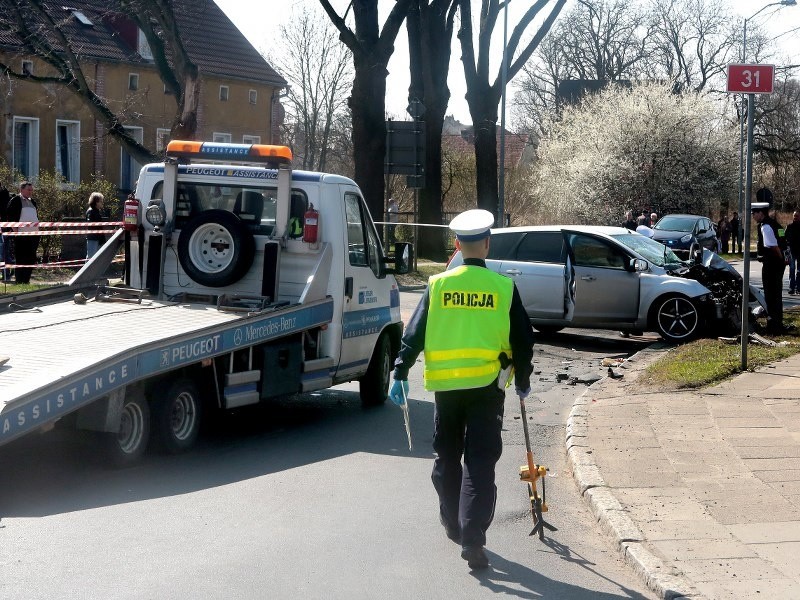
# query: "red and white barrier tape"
57,232
63,263
61,223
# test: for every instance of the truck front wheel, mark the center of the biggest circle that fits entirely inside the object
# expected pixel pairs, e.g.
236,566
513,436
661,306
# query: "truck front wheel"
176,416
129,443
374,385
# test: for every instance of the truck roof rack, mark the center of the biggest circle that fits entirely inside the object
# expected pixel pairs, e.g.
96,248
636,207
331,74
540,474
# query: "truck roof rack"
188,150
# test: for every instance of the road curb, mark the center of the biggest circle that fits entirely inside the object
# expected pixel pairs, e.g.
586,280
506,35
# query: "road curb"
613,519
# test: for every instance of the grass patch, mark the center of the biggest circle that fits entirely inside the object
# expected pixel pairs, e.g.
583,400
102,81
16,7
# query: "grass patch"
425,269
707,362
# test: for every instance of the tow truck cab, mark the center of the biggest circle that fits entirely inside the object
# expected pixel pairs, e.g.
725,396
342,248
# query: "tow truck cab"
253,230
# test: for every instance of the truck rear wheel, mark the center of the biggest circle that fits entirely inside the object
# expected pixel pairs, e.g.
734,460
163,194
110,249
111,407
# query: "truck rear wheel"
126,446
374,385
176,416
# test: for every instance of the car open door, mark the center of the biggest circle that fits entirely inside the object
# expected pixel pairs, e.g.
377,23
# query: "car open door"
608,291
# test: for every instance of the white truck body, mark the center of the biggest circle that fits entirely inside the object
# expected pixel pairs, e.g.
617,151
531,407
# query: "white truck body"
239,311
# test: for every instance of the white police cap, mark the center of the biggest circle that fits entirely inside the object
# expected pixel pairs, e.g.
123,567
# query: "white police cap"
759,206
472,225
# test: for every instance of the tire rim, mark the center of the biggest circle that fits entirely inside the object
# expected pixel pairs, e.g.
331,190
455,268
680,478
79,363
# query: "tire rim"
131,428
182,416
211,248
677,318
385,368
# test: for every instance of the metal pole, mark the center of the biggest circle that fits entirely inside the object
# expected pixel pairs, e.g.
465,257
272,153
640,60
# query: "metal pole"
501,192
741,140
746,217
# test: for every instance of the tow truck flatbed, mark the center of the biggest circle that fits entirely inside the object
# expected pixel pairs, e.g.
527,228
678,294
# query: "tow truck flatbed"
111,345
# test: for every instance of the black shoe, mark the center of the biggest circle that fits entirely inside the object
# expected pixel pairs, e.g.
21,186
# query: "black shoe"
475,556
452,533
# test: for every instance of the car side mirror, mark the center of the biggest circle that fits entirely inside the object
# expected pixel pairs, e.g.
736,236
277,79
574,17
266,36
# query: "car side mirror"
637,265
403,257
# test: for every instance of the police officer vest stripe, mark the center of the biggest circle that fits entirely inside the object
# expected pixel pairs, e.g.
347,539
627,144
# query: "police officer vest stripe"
468,327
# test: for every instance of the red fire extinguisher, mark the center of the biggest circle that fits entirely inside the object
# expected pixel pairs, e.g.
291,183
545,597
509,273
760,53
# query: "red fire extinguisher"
130,214
310,225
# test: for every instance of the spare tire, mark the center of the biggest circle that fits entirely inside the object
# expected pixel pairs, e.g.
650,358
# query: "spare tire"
215,248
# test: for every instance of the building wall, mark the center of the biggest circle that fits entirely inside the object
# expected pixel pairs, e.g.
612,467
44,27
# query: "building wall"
148,108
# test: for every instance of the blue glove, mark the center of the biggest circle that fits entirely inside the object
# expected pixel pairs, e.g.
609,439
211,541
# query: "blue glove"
523,393
399,391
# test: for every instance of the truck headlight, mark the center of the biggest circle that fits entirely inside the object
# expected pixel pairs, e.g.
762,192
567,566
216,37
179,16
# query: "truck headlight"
155,214
687,238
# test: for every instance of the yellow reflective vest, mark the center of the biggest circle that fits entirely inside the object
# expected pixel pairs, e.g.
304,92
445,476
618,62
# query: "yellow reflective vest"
467,328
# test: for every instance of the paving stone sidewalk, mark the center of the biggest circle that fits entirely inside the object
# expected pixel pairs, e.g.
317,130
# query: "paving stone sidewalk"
700,489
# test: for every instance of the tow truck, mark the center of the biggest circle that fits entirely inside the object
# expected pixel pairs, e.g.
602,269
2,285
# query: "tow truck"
244,281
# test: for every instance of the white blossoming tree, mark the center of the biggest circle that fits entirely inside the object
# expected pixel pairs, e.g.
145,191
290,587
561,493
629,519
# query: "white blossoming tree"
638,148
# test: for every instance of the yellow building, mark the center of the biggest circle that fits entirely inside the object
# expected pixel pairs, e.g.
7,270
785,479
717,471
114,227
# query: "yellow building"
46,126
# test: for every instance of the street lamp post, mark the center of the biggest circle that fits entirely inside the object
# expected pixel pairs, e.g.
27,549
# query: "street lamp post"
745,109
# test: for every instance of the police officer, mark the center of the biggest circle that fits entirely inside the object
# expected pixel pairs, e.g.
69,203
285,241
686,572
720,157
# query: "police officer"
773,264
471,323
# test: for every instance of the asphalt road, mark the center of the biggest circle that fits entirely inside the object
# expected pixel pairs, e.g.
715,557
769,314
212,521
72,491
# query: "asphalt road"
313,497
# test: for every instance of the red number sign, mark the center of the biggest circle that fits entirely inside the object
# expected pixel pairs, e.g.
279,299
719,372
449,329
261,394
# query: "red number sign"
750,79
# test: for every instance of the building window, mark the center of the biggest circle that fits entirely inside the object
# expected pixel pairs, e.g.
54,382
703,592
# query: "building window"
251,139
27,67
221,138
133,81
253,96
68,150
142,47
82,18
129,168
162,139
223,93
26,146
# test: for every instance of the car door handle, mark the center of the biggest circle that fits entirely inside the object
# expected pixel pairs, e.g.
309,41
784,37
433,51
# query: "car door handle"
588,277
513,271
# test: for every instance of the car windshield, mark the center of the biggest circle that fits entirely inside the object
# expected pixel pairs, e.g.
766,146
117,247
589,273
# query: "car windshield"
650,250
676,224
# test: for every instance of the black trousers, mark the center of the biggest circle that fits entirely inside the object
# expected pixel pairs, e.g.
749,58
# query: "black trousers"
772,279
467,423
25,247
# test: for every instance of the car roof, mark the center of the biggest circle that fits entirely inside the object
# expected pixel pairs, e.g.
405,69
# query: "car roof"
603,229
684,215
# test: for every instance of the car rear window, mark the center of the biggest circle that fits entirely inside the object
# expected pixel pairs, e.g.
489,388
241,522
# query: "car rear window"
541,246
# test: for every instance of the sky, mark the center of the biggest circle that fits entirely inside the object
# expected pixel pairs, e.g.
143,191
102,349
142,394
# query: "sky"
260,21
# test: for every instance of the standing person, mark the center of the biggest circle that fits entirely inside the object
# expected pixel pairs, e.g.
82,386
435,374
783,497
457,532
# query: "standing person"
736,233
471,324
629,222
94,215
653,219
773,264
391,214
793,241
5,197
724,229
22,208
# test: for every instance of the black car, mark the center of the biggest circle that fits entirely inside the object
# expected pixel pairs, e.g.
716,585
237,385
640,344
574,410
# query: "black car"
680,233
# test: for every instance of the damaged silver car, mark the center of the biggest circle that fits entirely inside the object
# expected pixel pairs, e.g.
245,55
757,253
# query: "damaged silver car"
611,278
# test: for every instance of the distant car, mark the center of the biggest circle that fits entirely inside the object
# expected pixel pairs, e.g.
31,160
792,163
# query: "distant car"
612,278
680,233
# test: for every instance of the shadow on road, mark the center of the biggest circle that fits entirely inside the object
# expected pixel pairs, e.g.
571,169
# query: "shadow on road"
61,471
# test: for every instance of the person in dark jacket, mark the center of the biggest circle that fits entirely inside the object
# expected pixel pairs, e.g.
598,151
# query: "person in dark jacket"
773,264
793,241
94,215
473,327
22,208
